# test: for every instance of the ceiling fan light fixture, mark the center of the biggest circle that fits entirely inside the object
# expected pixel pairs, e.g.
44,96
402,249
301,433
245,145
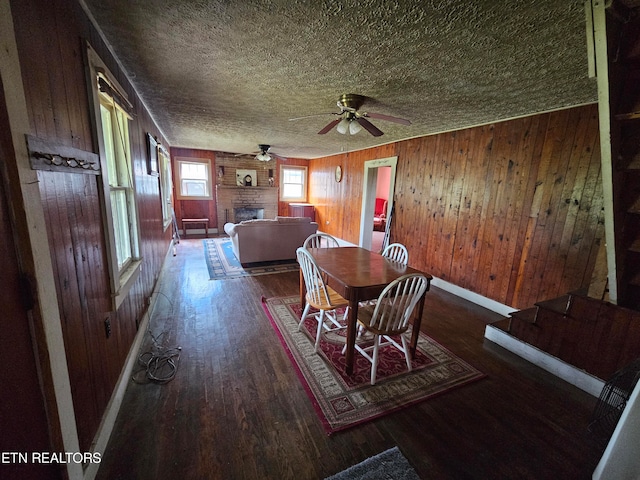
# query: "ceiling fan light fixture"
343,126
354,127
263,157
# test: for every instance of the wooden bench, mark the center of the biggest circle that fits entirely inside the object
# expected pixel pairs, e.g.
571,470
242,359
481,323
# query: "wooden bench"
195,221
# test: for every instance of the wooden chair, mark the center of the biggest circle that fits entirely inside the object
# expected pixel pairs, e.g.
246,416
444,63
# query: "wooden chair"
390,317
319,295
320,240
396,252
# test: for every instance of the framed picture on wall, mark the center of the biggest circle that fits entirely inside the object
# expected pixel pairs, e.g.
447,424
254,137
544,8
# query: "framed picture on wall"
152,155
246,178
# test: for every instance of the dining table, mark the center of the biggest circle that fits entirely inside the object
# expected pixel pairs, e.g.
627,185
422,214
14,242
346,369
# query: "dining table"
359,275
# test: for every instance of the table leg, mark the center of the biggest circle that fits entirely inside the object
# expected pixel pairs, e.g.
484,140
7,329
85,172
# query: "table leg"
303,291
415,333
351,335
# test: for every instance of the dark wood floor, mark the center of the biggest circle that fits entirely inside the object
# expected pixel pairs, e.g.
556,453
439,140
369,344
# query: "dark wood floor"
236,409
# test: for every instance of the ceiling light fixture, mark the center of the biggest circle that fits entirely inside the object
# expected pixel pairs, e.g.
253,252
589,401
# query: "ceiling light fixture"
343,126
263,156
349,125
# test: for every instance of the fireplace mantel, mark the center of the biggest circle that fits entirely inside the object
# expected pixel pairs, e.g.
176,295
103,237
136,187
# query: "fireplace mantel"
229,197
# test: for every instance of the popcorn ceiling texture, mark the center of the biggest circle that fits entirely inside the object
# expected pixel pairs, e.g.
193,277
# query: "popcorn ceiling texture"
226,76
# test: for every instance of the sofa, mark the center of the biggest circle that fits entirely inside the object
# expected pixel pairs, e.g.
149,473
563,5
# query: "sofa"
269,240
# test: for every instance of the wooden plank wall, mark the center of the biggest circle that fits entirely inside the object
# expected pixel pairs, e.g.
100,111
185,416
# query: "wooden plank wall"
53,70
194,208
511,210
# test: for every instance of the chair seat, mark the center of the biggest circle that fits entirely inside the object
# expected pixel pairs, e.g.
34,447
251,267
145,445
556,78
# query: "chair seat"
335,301
365,315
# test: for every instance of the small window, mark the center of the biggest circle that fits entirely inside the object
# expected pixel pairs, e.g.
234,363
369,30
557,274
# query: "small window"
194,178
293,183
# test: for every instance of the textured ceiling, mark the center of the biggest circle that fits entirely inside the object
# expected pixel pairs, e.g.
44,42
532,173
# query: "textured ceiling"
227,76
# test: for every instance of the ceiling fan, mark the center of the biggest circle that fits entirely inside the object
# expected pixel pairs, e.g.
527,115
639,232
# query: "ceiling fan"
351,121
265,154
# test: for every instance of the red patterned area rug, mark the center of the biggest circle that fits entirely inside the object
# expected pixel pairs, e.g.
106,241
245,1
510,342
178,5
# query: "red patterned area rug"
343,401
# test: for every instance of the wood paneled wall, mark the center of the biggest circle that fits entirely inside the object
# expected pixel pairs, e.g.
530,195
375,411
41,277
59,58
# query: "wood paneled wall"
512,210
194,208
53,70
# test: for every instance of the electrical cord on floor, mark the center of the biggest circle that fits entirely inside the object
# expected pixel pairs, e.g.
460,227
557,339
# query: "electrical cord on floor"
159,365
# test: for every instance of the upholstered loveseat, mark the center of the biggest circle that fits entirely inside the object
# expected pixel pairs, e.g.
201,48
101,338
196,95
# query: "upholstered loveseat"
269,240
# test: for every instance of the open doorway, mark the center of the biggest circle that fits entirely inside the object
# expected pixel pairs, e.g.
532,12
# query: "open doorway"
377,200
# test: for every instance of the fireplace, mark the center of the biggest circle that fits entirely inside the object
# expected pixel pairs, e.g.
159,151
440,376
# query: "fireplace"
229,199
247,213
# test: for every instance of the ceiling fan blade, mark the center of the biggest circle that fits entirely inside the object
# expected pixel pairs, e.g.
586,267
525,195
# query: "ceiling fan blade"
388,118
369,127
329,126
313,115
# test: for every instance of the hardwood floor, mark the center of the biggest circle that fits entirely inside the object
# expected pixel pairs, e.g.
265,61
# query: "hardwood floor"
236,409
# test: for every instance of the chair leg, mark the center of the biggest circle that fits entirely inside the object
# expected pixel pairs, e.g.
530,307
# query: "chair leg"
405,347
304,315
319,332
374,363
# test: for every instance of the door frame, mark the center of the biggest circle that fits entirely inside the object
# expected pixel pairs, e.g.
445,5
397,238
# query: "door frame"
369,184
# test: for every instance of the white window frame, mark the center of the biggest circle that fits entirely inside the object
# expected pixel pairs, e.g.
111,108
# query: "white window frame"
186,160
166,186
283,170
122,274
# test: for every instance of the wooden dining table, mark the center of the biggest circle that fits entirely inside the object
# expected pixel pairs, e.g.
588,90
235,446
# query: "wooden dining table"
358,275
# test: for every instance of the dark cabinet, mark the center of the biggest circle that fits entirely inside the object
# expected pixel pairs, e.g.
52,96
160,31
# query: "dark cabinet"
302,210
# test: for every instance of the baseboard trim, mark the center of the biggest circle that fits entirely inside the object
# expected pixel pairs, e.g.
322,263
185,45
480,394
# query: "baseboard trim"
579,378
476,298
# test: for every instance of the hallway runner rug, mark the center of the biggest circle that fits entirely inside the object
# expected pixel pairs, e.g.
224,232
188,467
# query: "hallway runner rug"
222,262
342,400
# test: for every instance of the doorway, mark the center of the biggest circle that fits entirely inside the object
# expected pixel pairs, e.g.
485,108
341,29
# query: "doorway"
372,173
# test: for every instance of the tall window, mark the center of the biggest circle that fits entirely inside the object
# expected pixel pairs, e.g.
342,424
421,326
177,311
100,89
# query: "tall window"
115,133
166,186
293,183
119,205
194,178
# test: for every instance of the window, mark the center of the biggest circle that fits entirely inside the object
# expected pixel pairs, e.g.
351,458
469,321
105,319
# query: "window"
115,132
166,186
293,183
119,203
194,178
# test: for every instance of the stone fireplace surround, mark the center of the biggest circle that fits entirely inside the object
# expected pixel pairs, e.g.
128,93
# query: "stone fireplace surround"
228,198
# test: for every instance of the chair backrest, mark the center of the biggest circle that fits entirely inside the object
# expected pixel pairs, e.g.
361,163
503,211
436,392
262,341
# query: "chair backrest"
320,240
380,207
313,281
395,304
396,252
